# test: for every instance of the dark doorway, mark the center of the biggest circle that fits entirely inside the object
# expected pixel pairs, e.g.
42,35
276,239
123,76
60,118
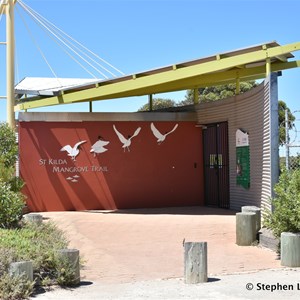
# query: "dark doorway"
216,164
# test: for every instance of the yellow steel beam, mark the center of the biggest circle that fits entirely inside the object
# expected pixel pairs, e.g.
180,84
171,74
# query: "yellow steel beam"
176,79
186,83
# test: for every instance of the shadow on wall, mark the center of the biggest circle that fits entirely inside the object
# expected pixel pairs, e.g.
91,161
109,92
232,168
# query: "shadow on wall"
146,174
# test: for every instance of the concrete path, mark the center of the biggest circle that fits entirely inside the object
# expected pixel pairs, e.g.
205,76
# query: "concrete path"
133,246
267,284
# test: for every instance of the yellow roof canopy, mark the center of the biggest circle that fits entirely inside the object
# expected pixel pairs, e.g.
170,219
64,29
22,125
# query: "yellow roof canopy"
245,64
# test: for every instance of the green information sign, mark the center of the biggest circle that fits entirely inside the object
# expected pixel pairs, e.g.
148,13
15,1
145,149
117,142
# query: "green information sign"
243,166
242,159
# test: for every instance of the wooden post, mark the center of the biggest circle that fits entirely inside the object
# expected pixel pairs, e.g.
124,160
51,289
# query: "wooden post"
290,249
21,268
256,210
245,228
195,262
34,218
72,257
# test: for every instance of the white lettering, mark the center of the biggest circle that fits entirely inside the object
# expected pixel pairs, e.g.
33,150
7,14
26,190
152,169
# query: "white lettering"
42,162
52,161
99,169
69,169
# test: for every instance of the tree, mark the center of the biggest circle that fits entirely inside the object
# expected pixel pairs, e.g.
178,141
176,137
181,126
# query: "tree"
8,145
205,95
8,157
11,199
158,103
214,93
281,119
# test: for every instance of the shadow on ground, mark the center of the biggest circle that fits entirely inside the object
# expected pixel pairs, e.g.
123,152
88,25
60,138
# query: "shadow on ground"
190,210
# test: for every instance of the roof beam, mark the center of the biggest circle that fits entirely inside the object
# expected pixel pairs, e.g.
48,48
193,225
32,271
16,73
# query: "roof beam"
172,80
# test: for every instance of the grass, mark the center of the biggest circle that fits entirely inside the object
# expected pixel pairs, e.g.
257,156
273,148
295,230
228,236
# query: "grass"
36,243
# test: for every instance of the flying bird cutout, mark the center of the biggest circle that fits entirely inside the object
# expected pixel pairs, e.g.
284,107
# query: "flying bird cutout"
72,151
126,142
98,147
161,137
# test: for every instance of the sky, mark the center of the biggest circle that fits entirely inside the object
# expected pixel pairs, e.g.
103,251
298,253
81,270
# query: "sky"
138,35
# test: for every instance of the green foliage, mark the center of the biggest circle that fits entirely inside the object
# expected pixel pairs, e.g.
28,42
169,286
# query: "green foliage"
205,95
286,204
11,206
39,244
65,273
16,287
215,93
158,103
281,119
8,145
11,200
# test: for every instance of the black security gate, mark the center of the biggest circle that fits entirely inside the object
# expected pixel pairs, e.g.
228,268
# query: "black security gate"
216,164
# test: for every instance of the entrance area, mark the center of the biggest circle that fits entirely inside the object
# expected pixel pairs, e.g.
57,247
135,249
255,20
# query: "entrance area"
152,236
216,165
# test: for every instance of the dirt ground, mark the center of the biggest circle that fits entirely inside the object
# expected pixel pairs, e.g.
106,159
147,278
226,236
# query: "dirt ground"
147,244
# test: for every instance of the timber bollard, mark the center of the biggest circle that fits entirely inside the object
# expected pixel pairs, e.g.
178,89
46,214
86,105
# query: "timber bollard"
71,256
195,262
21,268
245,228
290,249
257,211
33,218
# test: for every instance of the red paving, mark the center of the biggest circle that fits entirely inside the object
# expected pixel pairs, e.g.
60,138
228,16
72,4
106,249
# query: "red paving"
133,245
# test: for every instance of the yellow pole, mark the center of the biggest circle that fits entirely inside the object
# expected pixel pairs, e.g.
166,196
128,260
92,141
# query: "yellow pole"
196,96
268,66
150,102
10,65
237,85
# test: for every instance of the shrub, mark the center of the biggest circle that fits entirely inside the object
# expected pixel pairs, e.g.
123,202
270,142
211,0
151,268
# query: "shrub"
39,244
16,287
65,273
286,205
11,206
8,145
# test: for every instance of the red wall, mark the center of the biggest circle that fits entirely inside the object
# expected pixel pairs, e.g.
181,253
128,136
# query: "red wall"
150,175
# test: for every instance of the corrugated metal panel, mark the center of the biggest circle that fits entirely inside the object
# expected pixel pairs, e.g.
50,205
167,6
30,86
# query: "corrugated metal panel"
250,112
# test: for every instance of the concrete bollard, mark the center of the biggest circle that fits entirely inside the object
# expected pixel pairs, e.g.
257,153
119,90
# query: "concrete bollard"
72,257
257,211
290,249
245,228
195,262
21,268
33,218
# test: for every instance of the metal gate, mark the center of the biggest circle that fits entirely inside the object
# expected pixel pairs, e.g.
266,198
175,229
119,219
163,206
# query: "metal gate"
216,164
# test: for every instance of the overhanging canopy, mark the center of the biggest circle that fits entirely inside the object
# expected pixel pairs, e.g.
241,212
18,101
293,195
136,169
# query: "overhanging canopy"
250,63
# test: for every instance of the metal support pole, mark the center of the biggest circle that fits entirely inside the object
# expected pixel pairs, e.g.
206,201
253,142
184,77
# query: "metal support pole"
91,106
10,64
287,140
268,66
150,102
196,96
237,86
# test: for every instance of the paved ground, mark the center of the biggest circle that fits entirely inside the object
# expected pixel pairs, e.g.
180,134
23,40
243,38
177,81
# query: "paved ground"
128,253
267,284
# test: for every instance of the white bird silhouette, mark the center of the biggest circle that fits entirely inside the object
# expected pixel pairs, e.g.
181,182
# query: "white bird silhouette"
161,137
126,142
73,152
98,147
